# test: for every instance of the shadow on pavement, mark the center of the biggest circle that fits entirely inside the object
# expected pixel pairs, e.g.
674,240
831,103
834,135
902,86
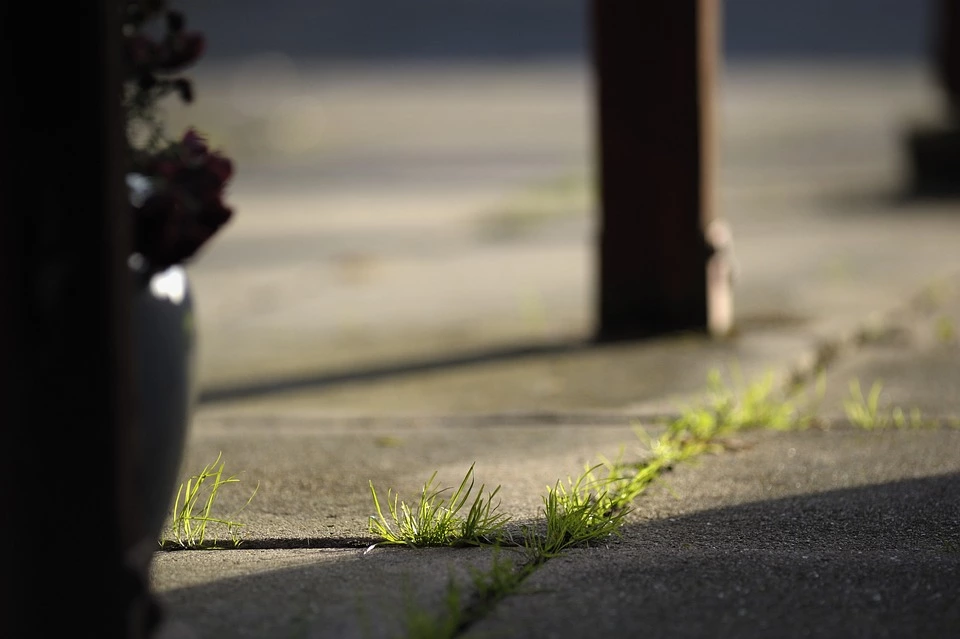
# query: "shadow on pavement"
324,380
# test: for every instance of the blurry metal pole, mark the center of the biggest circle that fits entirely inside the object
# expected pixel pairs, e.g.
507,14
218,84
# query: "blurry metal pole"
64,354
655,67
935,150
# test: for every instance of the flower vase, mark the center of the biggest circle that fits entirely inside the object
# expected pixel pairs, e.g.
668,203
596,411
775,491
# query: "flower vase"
164,365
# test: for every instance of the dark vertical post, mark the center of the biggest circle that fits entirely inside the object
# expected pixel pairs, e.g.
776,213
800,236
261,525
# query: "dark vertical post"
64,355
655,66
935,149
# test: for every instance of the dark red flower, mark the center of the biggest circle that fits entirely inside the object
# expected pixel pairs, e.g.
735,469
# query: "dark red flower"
215,214
220,167
162,166
170,231
140,52
156,231
185,208
193,142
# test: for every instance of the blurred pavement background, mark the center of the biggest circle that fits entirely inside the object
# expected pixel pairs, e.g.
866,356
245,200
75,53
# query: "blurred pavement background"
415,180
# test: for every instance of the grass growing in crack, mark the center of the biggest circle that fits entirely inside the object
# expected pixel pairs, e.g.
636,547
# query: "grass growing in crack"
756,405
945,330
420,623
437,521
503,577
724,410
630,480
584,511
193,517
593,507
866,411
590,508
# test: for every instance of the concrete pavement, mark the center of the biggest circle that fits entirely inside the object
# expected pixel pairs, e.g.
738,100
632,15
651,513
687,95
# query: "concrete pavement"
829,532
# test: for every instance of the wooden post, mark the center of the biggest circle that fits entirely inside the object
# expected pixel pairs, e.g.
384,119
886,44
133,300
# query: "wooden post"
64,349
655,69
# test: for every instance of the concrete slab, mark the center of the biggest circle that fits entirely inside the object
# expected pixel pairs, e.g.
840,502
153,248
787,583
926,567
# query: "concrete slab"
326,593
913,358
824,533
819,533
810,534
314,474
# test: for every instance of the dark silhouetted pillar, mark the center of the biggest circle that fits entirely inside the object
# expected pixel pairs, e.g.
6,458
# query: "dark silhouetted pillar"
655,66
935,150
64,355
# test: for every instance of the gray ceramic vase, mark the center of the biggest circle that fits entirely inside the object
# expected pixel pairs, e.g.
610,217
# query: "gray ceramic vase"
164,364
164,351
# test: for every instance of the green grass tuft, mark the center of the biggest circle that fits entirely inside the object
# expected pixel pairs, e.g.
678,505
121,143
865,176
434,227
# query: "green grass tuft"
582,512
593,507
437,521
193,517
868,413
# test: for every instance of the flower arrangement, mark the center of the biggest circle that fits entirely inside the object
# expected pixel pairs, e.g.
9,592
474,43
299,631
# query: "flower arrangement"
176,185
